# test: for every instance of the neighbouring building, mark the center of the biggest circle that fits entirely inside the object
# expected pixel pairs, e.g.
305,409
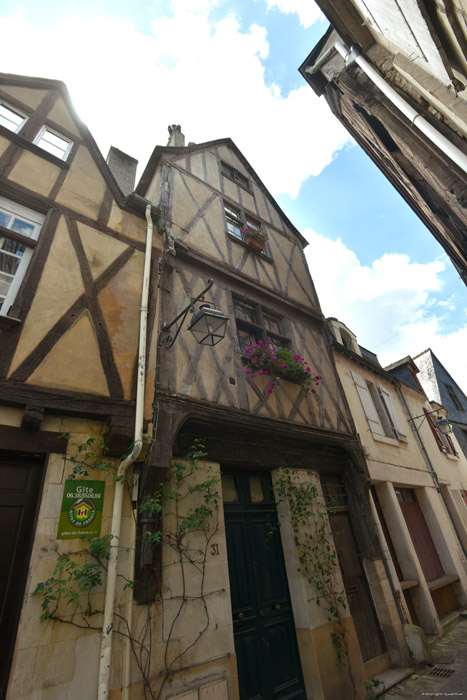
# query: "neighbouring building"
441,387
415,131
71,265
416,487
210,595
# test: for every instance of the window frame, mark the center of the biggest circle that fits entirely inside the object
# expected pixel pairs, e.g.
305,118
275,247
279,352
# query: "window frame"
258,327
444,442
40,137
378,409
236,215
454,398
18,112
31,217
236,176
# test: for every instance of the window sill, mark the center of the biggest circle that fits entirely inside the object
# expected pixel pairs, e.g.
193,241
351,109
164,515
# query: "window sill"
7,322
263,256
387,440
456,459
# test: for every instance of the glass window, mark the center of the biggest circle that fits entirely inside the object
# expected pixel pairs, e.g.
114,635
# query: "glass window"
53,143
15,252
10,118
229,489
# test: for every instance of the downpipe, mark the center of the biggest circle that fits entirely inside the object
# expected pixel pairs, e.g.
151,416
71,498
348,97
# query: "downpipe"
120,481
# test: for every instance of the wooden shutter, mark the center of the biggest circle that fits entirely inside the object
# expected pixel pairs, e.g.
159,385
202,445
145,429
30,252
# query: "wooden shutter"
368,405
386,397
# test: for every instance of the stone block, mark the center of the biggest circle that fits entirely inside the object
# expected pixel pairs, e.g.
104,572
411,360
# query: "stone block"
214,691
23,673
55,664
418,644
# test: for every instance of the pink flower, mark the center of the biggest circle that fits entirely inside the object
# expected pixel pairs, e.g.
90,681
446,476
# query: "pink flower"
317,383
296,357
282,366
248,371
313,391
272,384
270,342
260,372
269,391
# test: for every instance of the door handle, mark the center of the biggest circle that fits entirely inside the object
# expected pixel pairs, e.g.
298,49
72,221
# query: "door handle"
277,607
241,616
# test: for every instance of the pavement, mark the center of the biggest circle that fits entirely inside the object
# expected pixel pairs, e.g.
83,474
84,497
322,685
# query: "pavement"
446,677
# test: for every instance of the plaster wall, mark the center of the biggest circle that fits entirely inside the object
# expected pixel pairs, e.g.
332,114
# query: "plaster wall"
387,458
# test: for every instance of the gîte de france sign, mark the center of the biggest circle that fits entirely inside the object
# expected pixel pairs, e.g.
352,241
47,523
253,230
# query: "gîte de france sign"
81,511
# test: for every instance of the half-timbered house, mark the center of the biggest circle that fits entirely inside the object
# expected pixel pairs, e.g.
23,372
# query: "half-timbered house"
71,266
245,619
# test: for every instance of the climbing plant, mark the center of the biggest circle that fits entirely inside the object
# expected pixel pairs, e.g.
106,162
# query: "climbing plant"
316,551
185,511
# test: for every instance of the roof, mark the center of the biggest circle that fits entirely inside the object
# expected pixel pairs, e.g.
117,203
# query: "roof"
88,139
160,151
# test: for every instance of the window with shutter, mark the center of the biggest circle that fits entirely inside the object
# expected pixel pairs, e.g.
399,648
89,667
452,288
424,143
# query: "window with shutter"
368,405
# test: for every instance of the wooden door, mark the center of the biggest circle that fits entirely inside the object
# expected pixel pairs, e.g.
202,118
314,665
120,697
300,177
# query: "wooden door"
20,480
264,630
420,534
369,635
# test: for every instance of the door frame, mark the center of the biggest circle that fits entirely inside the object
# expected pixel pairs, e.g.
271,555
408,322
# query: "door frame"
269,507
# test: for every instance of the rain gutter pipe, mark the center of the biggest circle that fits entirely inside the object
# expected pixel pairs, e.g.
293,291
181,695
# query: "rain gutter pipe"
354,55
107,626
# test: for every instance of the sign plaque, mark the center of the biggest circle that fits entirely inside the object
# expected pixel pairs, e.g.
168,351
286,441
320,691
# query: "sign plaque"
81,511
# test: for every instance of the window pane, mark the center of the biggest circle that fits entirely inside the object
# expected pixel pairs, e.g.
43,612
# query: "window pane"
271,324
246,338
234,229
229,489
245,311
5,219
10,119
53,144
256,489
22,226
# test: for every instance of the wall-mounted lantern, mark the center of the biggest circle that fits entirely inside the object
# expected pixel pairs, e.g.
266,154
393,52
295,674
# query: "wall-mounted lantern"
208,324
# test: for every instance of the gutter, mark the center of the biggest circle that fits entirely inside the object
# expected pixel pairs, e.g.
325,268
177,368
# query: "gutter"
107,625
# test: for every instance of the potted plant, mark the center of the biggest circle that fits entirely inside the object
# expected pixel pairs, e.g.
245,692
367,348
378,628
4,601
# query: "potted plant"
254,238
280,363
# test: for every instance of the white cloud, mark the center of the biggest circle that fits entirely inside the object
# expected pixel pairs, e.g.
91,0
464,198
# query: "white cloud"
308,12
386,304
208,77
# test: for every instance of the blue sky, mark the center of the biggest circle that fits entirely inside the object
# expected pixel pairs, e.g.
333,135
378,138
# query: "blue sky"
229,68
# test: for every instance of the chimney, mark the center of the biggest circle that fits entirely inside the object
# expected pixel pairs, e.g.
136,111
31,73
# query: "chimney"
123,168
176,137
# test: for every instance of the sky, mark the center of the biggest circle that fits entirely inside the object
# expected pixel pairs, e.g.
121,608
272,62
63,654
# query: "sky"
228,68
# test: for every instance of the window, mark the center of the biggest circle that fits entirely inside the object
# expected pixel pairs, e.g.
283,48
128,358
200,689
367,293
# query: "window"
335,495
53,143
454,398
236,176
237,220
254,324
444,442
379,410
19,230
10,118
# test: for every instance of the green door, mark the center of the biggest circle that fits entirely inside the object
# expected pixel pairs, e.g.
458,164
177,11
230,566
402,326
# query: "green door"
264,630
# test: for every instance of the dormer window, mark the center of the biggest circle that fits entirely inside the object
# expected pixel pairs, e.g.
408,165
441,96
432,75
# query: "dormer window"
11,118
53,143
235,175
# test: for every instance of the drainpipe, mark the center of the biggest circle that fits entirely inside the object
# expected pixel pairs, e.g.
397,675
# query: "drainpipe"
354,55
431,469
107,626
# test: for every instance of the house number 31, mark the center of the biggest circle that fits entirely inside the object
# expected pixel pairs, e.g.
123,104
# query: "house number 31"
214,549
